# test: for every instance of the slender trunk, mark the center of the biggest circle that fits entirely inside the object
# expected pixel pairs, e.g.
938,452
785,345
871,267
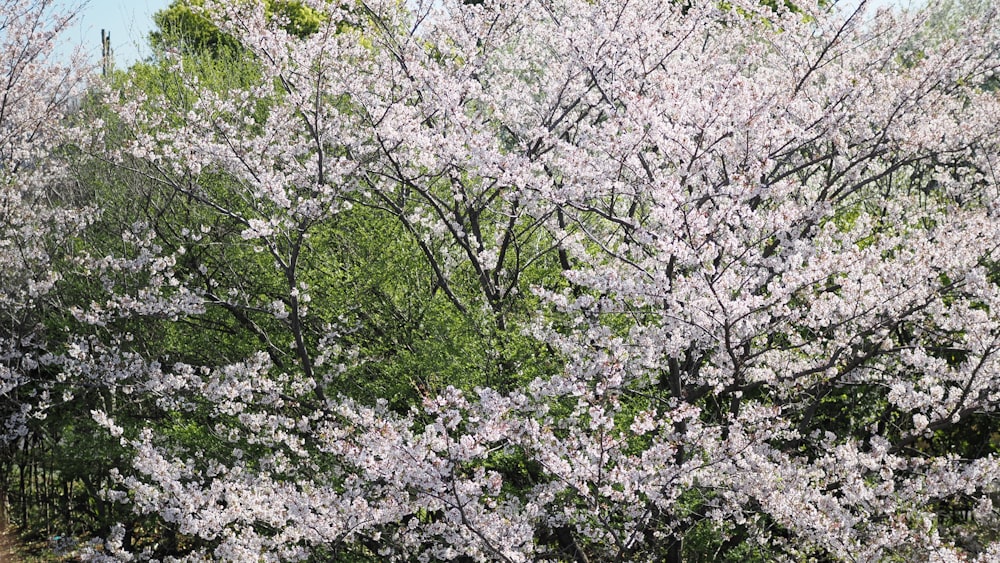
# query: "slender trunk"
22,492
674,554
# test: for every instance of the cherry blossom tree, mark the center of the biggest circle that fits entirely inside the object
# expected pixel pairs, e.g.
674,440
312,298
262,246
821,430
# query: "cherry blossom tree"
734,267
33,98
39,211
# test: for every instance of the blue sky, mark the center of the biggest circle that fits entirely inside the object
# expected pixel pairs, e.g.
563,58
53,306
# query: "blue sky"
129,21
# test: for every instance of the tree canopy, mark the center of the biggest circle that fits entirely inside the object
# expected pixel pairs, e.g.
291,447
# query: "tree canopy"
185,26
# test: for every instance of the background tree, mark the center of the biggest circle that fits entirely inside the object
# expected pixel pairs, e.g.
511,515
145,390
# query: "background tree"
183,26
41,208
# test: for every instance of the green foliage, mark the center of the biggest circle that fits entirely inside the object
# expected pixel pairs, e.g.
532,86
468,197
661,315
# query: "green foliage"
185,28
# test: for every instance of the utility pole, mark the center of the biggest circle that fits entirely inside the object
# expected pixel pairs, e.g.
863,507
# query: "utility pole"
107,56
